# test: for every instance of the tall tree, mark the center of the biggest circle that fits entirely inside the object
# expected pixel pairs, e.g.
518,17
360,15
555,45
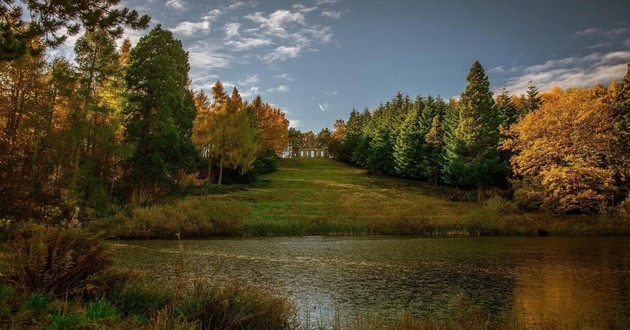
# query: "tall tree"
54,21
160,112
561,152
409,147
472,156
94,118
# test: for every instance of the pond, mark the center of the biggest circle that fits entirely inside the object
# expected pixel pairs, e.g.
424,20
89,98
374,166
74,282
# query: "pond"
583,281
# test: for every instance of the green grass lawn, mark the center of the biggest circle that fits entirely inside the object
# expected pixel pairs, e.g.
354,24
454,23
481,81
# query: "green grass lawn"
316,196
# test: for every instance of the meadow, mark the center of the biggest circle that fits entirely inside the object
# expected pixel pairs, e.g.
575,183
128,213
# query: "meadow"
316,196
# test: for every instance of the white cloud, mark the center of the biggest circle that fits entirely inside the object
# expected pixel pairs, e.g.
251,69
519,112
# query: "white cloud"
231,30
600,32
333,93
279,89
190,28
177,4
205,58
283,53
250,92
295,123
251,80
323,2
332,14
248,43
277,22
568,72
284,76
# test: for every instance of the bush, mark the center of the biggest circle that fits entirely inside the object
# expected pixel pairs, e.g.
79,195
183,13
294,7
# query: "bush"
233,306
500,206
189,217
56,261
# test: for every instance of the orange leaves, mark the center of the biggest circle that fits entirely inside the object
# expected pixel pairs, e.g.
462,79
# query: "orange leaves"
563,147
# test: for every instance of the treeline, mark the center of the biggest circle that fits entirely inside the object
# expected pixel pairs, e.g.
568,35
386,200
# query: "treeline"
567,151
121,126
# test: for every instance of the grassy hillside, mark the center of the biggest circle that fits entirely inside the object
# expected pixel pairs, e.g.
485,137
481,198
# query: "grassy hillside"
311,196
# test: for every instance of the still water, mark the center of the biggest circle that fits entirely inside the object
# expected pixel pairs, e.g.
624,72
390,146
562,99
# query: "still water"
582,281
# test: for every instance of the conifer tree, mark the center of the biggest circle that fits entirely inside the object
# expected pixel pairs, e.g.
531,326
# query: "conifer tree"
431,164
160,112
532,101
472,157
409,147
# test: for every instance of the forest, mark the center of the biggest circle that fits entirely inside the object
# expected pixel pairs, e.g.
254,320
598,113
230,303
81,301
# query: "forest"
565,150
122,126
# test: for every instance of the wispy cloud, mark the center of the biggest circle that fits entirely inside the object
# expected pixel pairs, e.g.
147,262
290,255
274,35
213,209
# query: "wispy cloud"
295,123
284,76
279,89
577,71
332,14
251,80
332,93
283,53
206,58
190,28
601,32
249,43
177,4
282,34
323,2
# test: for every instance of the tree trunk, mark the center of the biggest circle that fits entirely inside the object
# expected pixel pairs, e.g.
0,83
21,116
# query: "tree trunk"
209,179
220,171
481,192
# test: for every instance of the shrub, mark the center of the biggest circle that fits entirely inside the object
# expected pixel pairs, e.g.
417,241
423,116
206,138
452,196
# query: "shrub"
190,217
500,206
233,306
56,261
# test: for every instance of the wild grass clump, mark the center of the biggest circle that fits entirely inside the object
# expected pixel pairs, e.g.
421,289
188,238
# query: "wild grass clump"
53,271
56,261
189,217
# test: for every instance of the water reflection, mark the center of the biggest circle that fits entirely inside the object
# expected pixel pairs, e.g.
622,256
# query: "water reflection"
536,281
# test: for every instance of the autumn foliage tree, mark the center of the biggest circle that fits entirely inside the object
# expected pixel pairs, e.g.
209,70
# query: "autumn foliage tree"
561,153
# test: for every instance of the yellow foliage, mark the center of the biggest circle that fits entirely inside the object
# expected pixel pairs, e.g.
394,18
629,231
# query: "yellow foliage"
563,148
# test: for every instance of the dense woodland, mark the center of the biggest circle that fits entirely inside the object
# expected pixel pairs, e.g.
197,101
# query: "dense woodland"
565,151
119,126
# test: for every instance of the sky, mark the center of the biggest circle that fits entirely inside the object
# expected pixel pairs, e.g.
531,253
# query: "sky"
319,59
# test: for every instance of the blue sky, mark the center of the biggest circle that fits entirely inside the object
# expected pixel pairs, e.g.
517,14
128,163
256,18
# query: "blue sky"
345,54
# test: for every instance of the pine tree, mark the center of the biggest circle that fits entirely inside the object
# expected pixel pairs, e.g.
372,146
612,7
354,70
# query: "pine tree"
160,112
508,111
51,17
409,147
431,164
472,155
532,101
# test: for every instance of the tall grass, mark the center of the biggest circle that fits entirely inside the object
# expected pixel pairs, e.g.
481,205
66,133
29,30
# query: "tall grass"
188,217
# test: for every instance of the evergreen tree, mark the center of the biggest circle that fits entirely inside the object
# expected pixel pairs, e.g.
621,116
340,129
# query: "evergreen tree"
431,164
532,101
50,17
508,113
472,156
159,113
409,147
